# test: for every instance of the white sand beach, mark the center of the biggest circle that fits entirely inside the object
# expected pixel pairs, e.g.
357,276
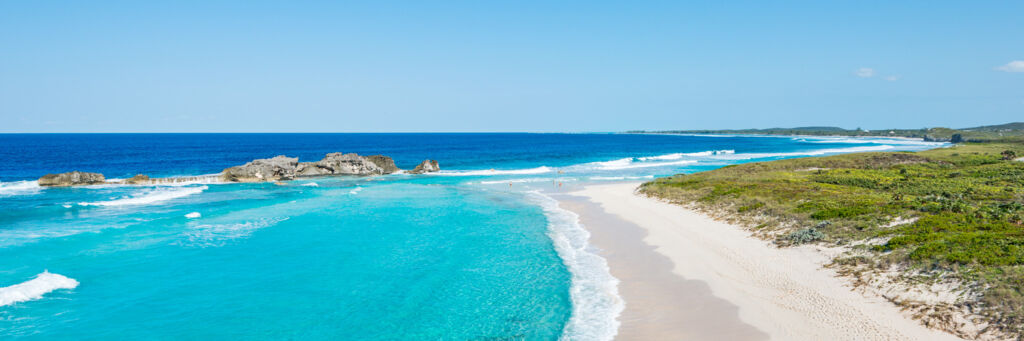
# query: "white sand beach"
724,284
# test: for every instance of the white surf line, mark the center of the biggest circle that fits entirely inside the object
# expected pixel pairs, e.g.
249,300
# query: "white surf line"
9,189
536,170
150,197
596,304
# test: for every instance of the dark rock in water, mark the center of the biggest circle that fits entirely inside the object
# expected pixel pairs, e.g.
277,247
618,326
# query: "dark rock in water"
75,178
138,179
427,166
384,162
274,169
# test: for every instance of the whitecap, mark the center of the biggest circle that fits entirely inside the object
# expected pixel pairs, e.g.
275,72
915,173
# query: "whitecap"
745,156
193,215
217,234
355,190
626,163
596,303
525,180
9,189
150,196
677,156
35,288
310,184
537,170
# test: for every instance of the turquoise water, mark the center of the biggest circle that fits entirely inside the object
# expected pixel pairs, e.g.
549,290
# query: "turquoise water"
476,252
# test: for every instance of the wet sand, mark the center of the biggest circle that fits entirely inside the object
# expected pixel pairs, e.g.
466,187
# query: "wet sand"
686,276
660,305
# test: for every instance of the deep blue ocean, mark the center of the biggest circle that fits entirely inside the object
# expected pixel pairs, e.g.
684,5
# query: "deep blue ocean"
477,251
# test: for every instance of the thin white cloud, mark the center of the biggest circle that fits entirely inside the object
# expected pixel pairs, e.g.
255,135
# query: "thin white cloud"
893,78
865,72
1014,66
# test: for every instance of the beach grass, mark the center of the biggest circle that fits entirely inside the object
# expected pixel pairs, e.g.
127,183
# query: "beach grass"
947,213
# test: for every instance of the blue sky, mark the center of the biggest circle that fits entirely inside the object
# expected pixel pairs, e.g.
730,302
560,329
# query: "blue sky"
247,66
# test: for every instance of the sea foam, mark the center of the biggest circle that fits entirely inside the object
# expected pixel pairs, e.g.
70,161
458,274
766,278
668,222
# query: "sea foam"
677,156
9,189
206,235
150,196
524,180
35,288
596,303
537,170
625,163
745,156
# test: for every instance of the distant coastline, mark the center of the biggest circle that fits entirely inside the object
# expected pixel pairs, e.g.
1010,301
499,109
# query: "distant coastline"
1009,132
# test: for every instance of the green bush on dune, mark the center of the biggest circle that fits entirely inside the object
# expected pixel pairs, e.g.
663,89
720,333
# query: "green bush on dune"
964,208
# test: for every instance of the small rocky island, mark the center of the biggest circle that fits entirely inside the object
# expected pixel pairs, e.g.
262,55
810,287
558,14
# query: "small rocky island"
75,178
278,168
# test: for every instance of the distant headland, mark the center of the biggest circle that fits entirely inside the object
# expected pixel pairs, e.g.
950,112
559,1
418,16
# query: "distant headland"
1009,132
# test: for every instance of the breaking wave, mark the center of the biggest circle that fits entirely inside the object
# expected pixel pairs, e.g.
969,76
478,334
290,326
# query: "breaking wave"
626,163
9,189
537,170
596,303
745,156
150,196
677,156
526,180
204,235
35,288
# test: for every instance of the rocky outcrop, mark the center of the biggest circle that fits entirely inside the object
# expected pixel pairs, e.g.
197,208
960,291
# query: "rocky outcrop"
340,164
273,169
287,168
384,162
427,166
75,178
277,168
137,180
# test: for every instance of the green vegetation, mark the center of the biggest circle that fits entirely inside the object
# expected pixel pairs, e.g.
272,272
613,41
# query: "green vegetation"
1006,133
945,213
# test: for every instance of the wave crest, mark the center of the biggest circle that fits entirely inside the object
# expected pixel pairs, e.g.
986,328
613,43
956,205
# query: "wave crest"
626,163
204,235
677,156
596,303
537,170
816,152
150,197
10,189
35,288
